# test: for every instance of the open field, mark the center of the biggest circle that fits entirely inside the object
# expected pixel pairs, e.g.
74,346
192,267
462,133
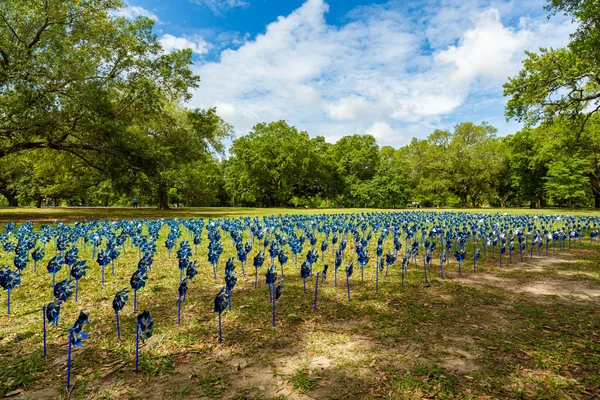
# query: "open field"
528,330
79,213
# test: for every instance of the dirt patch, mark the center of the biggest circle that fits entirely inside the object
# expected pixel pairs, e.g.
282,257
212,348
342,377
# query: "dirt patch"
545,286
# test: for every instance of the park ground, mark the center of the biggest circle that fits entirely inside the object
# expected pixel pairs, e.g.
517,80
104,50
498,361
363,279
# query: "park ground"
528,330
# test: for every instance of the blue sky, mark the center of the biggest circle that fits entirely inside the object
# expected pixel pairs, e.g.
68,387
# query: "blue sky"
396,69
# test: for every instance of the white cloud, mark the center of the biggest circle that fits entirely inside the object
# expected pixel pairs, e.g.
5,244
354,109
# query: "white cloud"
375,73
219,7
170,43
131,12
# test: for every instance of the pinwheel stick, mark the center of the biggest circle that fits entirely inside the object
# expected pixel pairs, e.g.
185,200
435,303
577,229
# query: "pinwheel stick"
348,285
403,272
35,265
69,360
137,348
103,275
76,290
334,277
273,306
179,310
316,291
134,301
220,329
44,327
8,301
425,271
304,279
376,278
118,325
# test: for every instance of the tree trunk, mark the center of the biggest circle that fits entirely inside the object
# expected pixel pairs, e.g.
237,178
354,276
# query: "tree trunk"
38,201
595,183
463,200
163,198
11,197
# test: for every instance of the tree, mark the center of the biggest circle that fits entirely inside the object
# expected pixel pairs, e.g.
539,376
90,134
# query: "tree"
563,82
273,163
356,158
466,162
171,144
528,165
566,181
73,76
391,185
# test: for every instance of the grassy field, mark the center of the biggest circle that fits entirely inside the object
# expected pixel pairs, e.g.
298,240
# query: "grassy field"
80,213
529,330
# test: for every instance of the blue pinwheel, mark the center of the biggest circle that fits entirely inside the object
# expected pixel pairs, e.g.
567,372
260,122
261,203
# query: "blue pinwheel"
76,338
339,259
9,280
54,265
53,311
78,271
283,259
323,250
475,258
37,255
182,293
103,261
270,278
363,259
118,303
305,271
390,258
259,259
71,256
169,244
63,290
138,281
191,270
442,261
349,270
20,262
460,255
182,264
220,306
112,254
143,331
230,282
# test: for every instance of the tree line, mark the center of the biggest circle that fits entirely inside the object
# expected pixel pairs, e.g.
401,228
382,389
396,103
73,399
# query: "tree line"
94,112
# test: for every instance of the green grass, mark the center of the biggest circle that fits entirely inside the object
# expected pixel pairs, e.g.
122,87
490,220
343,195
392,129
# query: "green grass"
454,339
80,213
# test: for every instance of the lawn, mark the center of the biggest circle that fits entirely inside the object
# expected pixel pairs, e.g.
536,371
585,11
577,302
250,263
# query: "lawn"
80,213
528,330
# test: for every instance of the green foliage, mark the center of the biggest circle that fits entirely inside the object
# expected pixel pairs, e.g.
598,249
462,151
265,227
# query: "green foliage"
563,82
566,181
465,163
272,164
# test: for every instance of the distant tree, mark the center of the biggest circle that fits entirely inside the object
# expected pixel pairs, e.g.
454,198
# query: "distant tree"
566,183
357,158
271,164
